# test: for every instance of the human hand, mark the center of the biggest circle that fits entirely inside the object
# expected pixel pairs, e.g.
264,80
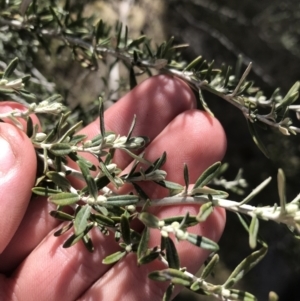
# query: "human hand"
34,265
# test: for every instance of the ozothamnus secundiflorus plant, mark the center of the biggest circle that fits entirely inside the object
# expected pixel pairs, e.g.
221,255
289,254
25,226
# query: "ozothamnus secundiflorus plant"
96,206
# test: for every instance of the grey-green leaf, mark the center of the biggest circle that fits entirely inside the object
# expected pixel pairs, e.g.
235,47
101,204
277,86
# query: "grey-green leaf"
102,220
81,219
281,190
44,191
63,216
88,243
176,276
149,257
59,180
64,198
63,230
290,97
256,138
143,244
114,257
168,293
210,266
10,68
204,212
72,240
241,295
253,230
125,229
122,200
245,266
149,220
186,176
202,242
171,253
170,185
60,149
207,175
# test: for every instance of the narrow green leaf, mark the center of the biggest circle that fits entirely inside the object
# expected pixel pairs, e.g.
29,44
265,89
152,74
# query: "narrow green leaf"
290,97
157,276
281,190
108,174
101,117
77,138
189,221
114,257
59,180
29,127
126,36
253,230
193,64
72,240
241,296
137,42
88,243
210,267
83,167
149,220
125,230
64,198
172,255
81,219
10,68
168,293
255,191
202,242
60,149
99,31
71,131
197,288
186,176
209,191
55,16
176,276
245,266
102,220
63,230
204,212
132,79
204,104
92,186
170,185
159,162
119,35
207,175
122,200
131,128
44,191
142,194
149,257
63,216
256,138
143,244
243,222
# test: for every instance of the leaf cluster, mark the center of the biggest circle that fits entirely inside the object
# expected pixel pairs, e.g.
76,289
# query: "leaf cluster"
97,205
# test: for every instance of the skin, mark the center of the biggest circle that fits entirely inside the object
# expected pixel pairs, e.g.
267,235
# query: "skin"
33,264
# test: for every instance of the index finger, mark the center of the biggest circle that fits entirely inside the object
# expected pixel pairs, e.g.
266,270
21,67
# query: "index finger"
155,102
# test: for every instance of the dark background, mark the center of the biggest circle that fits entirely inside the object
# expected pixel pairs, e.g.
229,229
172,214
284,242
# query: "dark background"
267,34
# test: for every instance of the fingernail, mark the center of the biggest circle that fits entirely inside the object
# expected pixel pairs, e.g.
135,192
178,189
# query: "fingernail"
7,157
